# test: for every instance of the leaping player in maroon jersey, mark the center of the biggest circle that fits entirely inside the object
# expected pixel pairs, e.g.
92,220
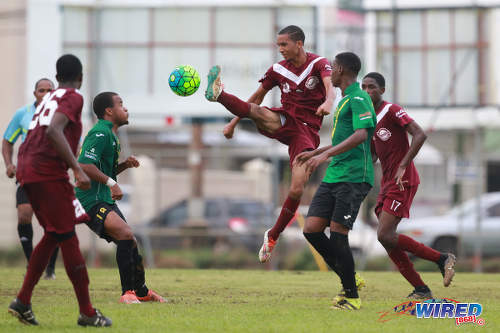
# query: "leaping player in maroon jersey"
398,186
43,161
307,94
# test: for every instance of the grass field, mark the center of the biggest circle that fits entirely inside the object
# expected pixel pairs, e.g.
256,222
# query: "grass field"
248,301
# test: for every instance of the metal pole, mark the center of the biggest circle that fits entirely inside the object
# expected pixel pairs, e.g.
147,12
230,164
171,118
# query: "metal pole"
457,192
196,204
479,191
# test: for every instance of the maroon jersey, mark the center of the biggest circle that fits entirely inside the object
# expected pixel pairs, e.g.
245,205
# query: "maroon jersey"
38,161
390,142
302,88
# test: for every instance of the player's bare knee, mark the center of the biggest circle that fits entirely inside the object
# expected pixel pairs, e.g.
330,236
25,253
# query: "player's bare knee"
24,219
308,229
24,216
127,234
264,118
313,225
296,192
386,238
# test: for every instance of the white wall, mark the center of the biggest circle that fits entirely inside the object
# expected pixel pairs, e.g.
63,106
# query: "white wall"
43,37
187,3
386,4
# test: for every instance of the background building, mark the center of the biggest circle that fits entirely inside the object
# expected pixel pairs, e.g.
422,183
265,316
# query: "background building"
132,46
438,59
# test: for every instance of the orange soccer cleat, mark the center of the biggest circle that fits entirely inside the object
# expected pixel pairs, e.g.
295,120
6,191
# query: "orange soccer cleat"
129,297
267,248
152,296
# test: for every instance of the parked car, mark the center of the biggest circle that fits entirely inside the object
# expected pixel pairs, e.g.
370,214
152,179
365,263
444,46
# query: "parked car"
362,238
235,221
458,226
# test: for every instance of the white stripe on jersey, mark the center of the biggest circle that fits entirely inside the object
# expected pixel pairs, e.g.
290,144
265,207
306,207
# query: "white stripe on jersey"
293,77
383,112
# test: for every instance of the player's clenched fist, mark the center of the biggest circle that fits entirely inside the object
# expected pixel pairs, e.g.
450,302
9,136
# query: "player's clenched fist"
82,181
132,162
116,192
11,171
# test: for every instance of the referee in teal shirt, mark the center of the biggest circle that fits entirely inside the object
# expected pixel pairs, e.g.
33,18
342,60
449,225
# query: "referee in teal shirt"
18,127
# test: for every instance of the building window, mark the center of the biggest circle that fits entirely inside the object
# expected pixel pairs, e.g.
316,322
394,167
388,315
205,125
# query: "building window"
433,57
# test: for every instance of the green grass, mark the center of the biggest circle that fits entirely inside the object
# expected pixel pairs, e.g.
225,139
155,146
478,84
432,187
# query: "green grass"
248,301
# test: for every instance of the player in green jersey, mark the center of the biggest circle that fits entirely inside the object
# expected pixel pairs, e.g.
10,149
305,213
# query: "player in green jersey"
348,179
99,159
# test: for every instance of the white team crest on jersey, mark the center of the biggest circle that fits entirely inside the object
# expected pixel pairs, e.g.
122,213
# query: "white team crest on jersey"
311,82
286,88
384,134
401,113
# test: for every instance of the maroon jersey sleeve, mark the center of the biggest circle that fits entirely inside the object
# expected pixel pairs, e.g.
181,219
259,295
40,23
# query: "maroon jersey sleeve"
324,68
399,115
70,105
268,80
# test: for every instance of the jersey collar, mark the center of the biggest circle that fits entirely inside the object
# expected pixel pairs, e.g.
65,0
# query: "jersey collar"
106,123
353,87
382,105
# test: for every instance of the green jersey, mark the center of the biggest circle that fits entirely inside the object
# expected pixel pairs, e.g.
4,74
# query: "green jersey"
355,111
101,147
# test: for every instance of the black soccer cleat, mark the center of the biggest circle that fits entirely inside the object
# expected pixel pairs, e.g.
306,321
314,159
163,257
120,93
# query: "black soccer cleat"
22,312
447,268
422,292
98,320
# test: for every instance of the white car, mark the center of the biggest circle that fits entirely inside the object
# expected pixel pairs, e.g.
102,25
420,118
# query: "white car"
362,238
458,227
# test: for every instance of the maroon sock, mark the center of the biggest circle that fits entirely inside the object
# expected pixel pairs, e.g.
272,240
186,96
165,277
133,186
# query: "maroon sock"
405,267
286,215
77,273
36,265
235,105
420,250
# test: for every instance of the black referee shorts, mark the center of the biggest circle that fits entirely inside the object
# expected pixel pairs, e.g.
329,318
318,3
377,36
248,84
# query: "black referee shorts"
21,196
338,202
98,215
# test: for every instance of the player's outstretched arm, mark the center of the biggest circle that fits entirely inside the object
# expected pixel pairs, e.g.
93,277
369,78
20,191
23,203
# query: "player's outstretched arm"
7,152
97,175
358,137
354,140
325,108
228,130
418,139
306,155
55,134
256,98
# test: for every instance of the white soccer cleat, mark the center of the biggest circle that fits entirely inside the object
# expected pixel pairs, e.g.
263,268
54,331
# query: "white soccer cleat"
267,248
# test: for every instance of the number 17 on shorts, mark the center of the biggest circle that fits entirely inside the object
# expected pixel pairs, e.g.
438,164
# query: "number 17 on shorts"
395,204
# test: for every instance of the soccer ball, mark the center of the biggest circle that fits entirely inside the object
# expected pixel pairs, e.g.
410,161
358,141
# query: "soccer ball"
184,80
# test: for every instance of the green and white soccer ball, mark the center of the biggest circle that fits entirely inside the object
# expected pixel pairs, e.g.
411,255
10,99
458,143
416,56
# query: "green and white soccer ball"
184,80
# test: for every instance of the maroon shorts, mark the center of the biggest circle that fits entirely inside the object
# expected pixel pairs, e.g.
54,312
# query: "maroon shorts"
55,205
297,135
396,202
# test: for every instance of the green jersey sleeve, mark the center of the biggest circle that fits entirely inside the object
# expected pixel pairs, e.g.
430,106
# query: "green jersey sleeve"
93,147
363,115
